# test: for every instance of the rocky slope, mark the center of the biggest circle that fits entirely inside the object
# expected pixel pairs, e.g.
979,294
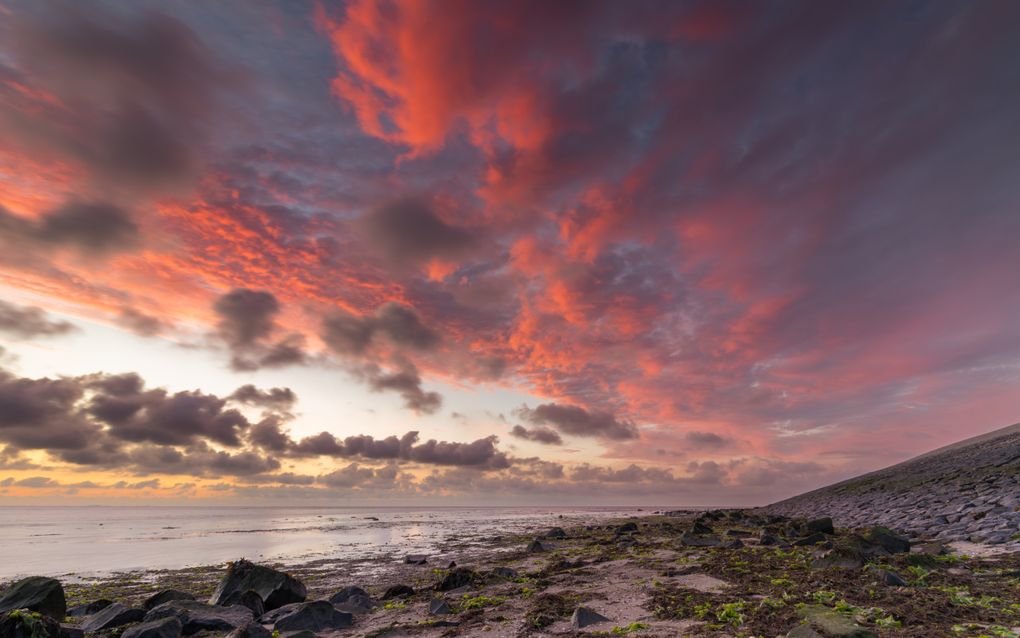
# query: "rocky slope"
969,491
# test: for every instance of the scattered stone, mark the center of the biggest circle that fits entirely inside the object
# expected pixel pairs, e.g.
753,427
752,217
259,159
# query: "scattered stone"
812,539
692,540
416,559
736,543
460,577
18,623
439,607
846,554
505,572
315,616
629,527
36,593
767,540
196,616
275,587
823,525
346,593
699,527
249,599
251,630
69,631
584,616
932,549
165,596
398,591
890,578
556,532
89,608
115,615
537,547
169,627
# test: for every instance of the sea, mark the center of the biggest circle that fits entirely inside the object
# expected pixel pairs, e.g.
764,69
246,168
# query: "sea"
84,542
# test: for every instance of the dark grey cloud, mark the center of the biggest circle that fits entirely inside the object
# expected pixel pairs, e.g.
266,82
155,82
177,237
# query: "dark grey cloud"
537,434
577,421
268,434
90,228
408,232
140,323
357,476
406,382
706,440
25,322
273,398
247,322
481,453
402,326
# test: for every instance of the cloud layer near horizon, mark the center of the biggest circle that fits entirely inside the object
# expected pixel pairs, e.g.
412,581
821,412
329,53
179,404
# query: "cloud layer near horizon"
693,233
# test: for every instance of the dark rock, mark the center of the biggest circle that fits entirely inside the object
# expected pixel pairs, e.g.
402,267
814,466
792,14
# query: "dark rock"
89,608
70,631
887,540
812,539
536,547
345,594
556,532
922,560
627,528
460,577
315,616
890,578
275,587
169,627
398,591
767,539
301,633
36,593
823,525
439,607
115,615
736,543
416,559
165,596
196,616
699,527
249,599
692,540
505,572
738,533
251,630
846,554
19,623
584,616
356,604
451,564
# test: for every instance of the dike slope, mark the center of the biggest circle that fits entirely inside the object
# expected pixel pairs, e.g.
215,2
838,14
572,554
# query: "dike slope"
968,491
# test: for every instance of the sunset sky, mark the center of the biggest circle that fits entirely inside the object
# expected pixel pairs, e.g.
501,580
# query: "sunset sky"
461,251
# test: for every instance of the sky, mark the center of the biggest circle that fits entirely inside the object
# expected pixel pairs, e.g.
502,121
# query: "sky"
479,252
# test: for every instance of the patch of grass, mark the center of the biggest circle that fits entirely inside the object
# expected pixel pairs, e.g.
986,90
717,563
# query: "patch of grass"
468,601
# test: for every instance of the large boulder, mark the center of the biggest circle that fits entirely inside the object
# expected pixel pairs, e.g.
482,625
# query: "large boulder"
89,608
115,615
196,616
823,525
845,554
455,579
275,587
251,630
346,593
36,593
888,540
315,616
22,623
169,627
248,599
165,596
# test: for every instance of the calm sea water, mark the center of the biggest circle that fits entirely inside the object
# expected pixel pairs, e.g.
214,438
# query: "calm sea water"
93,541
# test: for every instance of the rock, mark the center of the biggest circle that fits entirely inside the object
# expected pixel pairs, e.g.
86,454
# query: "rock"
196,616
439,607
556,532
536,547
460,577
251,630
584,616
249,599
699,527
356,604
823,525
736,543
693,540
315,616
932,549
738,533
36,593
803,631
302,633
19,623
70,631
846,554
169,627
346,593
505,572
275,587
832,623
767,540
165,596
811,539
398,591
887,540
89,608
416,559
115,615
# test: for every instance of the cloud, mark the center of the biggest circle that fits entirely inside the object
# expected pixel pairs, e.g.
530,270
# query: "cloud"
706,440
481,453
577,421
406,382
538,435
247,320
91,228
273,398
141,323
25,322
400,325
408,232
